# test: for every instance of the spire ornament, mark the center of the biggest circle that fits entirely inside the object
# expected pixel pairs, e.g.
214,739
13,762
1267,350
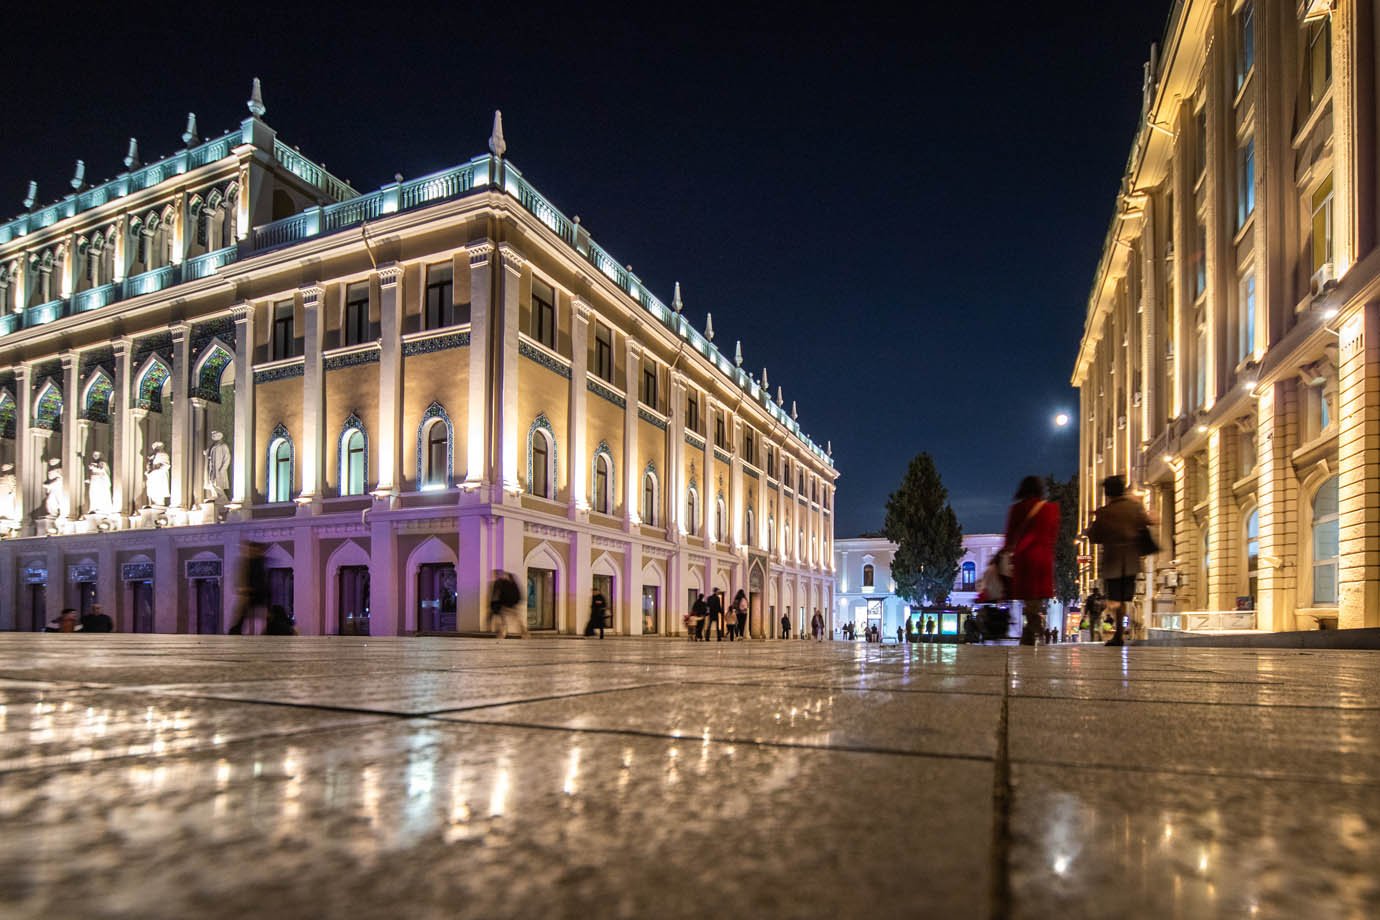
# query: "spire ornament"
132,155
738,353
709,326
497,145
779,397
766,384
676,303
31,195
256,100
79,176
795,416
829,448
189,135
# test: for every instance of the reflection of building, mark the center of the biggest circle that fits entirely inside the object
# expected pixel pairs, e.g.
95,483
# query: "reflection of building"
412,387
1228,366
866,595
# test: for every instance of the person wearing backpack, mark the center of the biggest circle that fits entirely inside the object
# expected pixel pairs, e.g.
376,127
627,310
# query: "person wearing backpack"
505,596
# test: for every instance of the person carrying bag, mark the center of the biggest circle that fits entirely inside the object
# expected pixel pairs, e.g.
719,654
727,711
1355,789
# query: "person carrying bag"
1122,528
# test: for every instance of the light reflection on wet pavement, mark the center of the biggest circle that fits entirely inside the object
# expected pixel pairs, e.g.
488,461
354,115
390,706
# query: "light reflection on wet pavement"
179,776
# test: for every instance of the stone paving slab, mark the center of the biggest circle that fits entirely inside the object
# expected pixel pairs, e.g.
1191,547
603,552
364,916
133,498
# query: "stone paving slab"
180,776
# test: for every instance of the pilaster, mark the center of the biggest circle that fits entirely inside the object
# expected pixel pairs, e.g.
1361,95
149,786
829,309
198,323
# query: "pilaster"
672,478
25,463
631,514
711,408
575,456
313,444
389,480
242,470
181,415
1277,489
477,442
507,426
120,439
1358,461
73,471
1224,521
1191,594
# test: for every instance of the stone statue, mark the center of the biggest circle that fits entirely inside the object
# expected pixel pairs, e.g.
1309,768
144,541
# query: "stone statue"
98,495
217,485
9,493
54,490
158,476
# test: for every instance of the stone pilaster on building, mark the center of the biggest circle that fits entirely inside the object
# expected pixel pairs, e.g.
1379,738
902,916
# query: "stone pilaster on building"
1358,458
390,449
1191,592
579,375
243,465
313,441
509,434
1277,490
1225,581
181,410
481,256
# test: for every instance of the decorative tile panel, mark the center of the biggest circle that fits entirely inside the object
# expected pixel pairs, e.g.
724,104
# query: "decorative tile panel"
158,344
284,372
603,392
98,394
436,411
721,456
434,343
546,360
7,408
208,380
694,441
136,571
353,359
222,327
48,412
150,392
103,358
649,417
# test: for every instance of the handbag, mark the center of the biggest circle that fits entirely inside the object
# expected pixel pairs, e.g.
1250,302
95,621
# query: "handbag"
993,584
1145,542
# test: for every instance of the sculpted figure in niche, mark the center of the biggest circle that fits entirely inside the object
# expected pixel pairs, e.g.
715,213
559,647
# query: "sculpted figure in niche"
217,485
158,476
99,499
54,490
9,493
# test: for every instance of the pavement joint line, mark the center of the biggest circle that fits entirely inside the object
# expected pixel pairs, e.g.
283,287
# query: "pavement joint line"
1274,776
1001,810
1212,705
715,739
833,688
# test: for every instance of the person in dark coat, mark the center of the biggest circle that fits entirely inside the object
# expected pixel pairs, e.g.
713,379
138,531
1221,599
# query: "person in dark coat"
1116,527
699,617
279,622
740,613
716,615
97,621
1032,527
598,609
785,626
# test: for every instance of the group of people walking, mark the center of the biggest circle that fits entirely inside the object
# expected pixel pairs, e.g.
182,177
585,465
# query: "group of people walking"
709,615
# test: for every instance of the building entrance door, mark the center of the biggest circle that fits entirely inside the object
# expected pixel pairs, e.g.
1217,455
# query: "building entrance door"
603,584
141,603
280,589
354,600
436,598
37,597
206,605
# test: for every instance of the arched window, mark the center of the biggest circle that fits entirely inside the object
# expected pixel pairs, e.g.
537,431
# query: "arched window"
352,461
603,484
280,470
969,576
1252,554
649,501
785,539
749,520
771,532
435,455
720,521
869,576
539,448
1325,539
692,512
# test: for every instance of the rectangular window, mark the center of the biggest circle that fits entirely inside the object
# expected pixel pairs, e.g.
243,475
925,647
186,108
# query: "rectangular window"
749,447
786,472
201,218
603,352
771,461
543,314
1200,138
1246,322
1200,263
1319,61
1245,183
438,311
649,386
720,438
692,412
356,317
1245,41
1322,224
282,330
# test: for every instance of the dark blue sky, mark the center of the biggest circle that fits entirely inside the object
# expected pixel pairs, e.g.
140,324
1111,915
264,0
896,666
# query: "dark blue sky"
899,215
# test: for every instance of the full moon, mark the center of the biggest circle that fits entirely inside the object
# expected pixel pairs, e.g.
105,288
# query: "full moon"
1061,419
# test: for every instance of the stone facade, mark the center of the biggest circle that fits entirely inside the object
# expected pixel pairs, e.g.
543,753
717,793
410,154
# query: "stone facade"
1228,364
411,388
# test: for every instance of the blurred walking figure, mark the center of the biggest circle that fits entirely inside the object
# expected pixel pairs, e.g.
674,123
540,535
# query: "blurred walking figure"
817,626
1119,527
252,589
699,618
929,629
97,621
785,626
740,613
597,610
504,597
279,622
66,622
1032,527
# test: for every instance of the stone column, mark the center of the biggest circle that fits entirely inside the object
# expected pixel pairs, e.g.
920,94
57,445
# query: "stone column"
477,441
1277,437
672,478
121,437
578,445
169,587
181,416
386,590
631,513
707,486
735,503
508,428
580,586
313,401
138,493
1190,594
73,471
390,384
1224,520
25,463
242,469
1353,53
196,454
1358,461
631,600
308,595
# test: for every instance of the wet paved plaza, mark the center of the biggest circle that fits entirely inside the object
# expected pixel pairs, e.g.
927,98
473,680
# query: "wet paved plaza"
187,776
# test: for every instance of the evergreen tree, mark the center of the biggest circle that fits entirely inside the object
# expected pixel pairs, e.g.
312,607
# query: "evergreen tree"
929,541
1066,549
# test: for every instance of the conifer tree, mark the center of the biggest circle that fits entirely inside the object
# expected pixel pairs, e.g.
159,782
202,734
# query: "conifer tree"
929,541
1066,549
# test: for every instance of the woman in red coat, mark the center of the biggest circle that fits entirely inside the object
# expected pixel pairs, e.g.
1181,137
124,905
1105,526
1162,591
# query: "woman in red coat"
1032,527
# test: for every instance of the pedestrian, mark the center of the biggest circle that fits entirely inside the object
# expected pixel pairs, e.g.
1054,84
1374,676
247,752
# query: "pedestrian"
503,597
785,626
740,610
972,632
252,590
1093,608
716,616
66,622
1120,527
699,615
910,630
1032,527
97,621
817,626
279,622
929,629
900,634
598,608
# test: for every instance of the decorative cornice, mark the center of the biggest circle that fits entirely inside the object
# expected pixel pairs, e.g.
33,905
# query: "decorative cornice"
751,472
436,343
389,274
603,392
242,312
722,457
544,530
647,416
694,441
311,295
512,258
480,252
580,308
544,358
350,359
281,372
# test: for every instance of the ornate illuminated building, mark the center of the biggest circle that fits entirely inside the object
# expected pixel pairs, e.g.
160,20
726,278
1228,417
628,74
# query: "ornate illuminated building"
395,393
1230,364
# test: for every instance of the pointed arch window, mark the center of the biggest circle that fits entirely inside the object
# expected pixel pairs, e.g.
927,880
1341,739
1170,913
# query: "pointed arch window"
354,458
649,502
280,466
692,512
603,483
749,521
435,449
720,521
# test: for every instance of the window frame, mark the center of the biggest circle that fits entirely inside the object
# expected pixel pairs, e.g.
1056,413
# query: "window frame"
602,492
282,328
349,455
544,327
603,352
354,315
280,485
439,314
1332,562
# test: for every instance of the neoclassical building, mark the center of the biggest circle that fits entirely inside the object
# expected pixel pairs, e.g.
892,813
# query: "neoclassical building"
396,393
1230,363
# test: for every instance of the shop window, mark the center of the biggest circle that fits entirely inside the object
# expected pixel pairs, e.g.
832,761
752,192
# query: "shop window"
541,598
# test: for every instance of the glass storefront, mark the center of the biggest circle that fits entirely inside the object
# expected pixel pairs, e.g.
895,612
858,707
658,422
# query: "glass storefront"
541,599
651,610
354,600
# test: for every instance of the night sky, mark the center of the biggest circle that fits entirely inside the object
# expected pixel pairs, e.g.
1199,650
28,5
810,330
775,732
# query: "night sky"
899,217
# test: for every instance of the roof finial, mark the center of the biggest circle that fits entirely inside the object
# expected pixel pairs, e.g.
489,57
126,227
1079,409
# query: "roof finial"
738,353
709,326
132,157
779,399
676,303
256,100
795,416
497,145
766,384
829,448
189,135
79,176
31,195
